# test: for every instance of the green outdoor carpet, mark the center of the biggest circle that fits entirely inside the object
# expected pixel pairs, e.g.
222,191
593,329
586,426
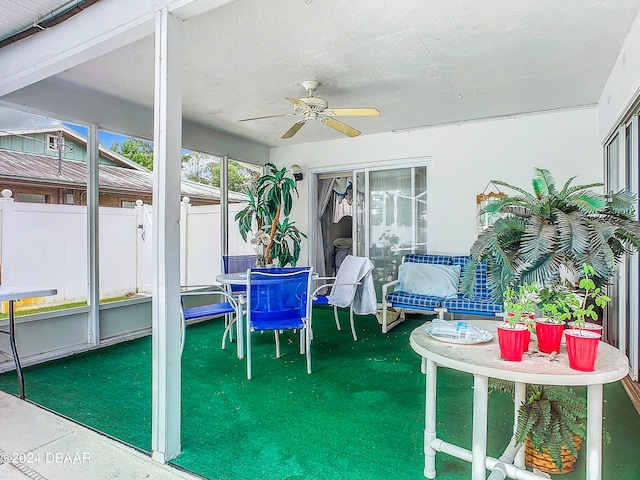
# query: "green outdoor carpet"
359,415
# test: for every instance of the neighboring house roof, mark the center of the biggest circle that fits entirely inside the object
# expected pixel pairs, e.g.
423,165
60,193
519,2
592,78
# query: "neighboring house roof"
69,133
34,169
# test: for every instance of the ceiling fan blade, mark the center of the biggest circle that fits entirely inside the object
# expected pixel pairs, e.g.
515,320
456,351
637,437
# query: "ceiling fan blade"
298,103
352,112
294,129
341,127
261,118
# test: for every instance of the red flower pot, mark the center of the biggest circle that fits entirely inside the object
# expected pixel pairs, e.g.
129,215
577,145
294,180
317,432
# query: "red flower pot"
549,336
525,320
513,341
587,326
582,349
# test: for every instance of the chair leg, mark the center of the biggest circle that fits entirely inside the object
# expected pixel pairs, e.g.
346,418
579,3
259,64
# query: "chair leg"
275,332
307,334
335,315
228,330
353,327
248,350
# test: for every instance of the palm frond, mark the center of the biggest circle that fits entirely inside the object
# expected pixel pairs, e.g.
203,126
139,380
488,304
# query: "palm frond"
587,202
543,183
538,240
622,203
517,189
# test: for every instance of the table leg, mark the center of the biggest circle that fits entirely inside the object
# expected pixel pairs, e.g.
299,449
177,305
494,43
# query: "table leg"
519,398
479,445
594,432
14,349
240,331
430,420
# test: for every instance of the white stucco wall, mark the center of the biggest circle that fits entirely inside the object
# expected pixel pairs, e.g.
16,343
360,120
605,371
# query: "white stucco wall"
623,85
462,159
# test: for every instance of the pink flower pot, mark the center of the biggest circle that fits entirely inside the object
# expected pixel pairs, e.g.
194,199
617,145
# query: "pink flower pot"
513,341
549,336
582,349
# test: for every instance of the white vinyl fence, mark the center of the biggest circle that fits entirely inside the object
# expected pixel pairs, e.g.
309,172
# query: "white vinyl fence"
44,244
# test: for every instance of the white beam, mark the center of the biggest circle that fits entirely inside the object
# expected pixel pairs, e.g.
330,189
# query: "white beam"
100,29
119,116
166,323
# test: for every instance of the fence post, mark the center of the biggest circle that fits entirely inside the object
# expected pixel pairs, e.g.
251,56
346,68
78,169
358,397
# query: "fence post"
184,230
6,204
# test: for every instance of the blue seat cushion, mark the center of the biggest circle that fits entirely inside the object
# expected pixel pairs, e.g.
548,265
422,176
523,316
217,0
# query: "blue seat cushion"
208,310
321,300
281,320
408,300
476,306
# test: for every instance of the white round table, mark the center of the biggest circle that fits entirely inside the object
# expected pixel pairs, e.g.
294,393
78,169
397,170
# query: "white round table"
483,361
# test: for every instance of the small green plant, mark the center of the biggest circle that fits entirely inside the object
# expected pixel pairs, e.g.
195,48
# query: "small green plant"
519,304
581,308
556,302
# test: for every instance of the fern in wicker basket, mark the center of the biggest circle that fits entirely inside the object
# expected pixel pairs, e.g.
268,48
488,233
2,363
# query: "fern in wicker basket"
550,416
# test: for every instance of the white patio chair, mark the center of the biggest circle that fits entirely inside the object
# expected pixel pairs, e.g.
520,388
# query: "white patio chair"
352,274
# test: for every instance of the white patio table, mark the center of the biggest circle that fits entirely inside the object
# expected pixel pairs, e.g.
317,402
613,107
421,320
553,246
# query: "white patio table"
13,293
483,361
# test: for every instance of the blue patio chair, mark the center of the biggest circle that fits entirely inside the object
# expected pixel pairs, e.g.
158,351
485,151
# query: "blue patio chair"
351,274
279,299
238,264
228,307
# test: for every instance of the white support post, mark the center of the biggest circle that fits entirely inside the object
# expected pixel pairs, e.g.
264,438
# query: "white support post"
166,325
224,206
93,236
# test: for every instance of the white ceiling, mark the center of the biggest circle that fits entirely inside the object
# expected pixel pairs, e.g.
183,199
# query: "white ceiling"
421,63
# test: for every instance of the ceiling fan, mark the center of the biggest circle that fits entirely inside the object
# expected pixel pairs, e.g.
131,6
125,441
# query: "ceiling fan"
312,108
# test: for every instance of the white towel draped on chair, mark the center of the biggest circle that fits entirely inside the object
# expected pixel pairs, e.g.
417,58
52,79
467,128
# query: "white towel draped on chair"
363,297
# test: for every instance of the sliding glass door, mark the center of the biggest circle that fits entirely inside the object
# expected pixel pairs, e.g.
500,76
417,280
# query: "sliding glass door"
621,327
391,217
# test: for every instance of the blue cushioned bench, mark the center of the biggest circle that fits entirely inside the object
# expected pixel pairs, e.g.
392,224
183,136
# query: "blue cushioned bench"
480,304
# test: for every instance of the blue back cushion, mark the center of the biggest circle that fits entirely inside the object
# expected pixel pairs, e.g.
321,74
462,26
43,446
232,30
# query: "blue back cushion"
435,259
277,300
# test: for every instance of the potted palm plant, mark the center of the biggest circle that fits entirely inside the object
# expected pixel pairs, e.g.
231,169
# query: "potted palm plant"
268,208
539,232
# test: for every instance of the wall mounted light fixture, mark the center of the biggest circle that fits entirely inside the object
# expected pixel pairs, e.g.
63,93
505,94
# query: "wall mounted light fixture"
297,172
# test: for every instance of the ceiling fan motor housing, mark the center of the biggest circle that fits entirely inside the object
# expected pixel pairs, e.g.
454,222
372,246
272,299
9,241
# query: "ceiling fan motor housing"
316,104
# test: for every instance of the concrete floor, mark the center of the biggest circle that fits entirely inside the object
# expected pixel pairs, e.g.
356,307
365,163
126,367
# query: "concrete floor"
39,445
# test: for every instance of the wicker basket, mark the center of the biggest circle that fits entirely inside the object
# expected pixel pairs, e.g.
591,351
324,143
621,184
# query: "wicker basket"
392,314
533,458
